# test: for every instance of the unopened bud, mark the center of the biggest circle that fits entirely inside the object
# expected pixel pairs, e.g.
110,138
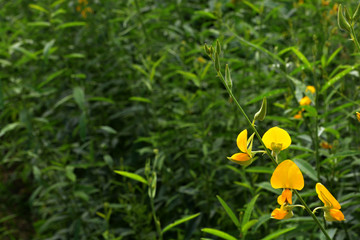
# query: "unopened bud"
261,114
228,76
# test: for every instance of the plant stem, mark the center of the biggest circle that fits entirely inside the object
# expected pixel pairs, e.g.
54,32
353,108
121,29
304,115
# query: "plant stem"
312,215
141,20
246,117
353,37
157,222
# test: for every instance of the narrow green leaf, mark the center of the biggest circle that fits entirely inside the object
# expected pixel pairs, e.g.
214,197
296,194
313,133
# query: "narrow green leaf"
248,225
301,57
218,233
75,55
259,169
140,99
229,212
39,8
101,99
248,211
79,97
333,55
252,6
39,24
306,168
69,171
180,221
9,127
108,129
51,77
71,24
338,76
278,233
267,94
132,176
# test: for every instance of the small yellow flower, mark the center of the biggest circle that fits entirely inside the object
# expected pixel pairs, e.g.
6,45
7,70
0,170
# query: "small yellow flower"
201,60
325,145
310,89
244,157
325,3
298,115
305,101
332,207
287,175
276,139
281,213
358,116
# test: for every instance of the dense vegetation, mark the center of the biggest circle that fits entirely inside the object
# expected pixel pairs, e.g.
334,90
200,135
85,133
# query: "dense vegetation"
92,87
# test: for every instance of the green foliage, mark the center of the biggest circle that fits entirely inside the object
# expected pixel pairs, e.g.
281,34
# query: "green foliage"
130,84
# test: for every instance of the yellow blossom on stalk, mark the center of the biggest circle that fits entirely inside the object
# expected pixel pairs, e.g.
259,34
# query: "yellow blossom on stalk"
332,207
243,158
325,145
288,176
358,116
276,139
282,213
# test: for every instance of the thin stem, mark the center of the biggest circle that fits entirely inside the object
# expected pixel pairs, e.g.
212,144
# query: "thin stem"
246,117
316,134
353,37
312,215
157,222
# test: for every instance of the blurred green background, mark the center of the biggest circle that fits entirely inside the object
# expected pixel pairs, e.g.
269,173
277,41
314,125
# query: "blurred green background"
89,87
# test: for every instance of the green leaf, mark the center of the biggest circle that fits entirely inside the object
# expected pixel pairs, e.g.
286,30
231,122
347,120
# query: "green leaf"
39,24
9,127
39,8
229,212
71,24
132,176
248,211
101,99
69,171
278,233
302,57
267,94
140,99
259,169
218,233
338,76
75,55
306,168
191,76
108,129
51,77
248,225
79,97
180,221
333,55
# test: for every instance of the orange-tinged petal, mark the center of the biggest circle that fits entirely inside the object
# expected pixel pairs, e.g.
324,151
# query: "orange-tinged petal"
305,101
310,89
286,196
326,197
287,175
358,116
241,141
336,214
241,158
280,214
278,136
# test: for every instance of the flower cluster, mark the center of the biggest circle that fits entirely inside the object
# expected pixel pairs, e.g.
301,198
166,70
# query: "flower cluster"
305,101
83,8
286,176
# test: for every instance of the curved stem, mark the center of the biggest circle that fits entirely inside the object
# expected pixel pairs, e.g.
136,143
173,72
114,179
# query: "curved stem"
353,37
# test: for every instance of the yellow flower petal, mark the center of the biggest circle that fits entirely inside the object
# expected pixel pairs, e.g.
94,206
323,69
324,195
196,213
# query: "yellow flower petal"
241,141
286,196
326,197
241,158
287,175
336,215
305,101
278,136
280,213
358,116
310,89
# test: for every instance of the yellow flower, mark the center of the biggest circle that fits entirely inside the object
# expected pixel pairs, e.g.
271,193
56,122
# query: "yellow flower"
282,213
287,175
276,139
244,157
332,207
325,145
305,101
298,115
358,116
